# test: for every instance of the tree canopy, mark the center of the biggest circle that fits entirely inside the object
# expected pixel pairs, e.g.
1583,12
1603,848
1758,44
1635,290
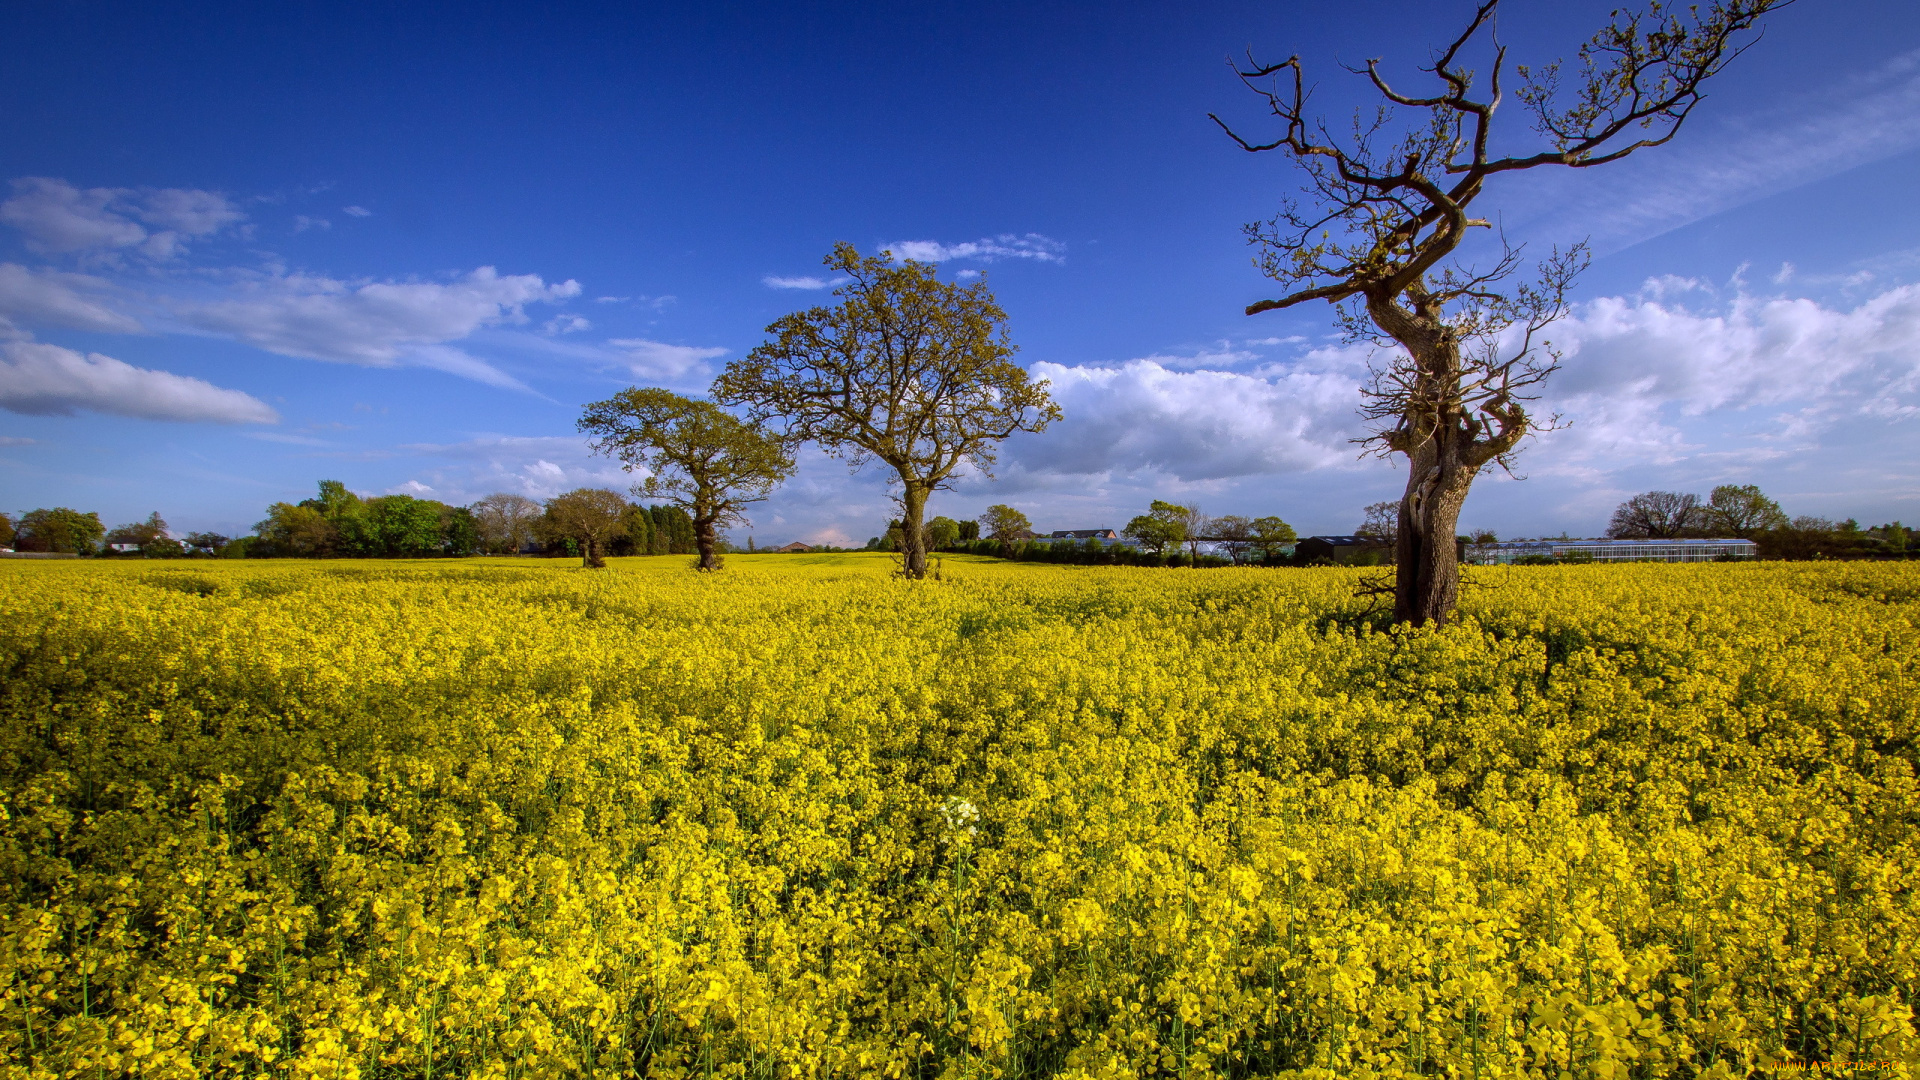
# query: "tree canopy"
907,370
696,455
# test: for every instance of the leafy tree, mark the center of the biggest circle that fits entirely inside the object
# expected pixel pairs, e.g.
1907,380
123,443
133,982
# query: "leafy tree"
6,530
400,526
1387,210
1005,524
1742,511
1657,515
1270,534
698,456
300,530
60,529
908,370
1164,525
459,531
637,535
590,517
505,522
672,531
942,533
969,531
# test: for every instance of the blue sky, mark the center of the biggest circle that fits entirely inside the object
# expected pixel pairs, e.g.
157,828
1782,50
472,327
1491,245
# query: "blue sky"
247,247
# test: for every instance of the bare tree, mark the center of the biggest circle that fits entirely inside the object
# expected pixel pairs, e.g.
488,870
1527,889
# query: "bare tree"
909,370
1657,515
1387,208
1381,519
1234,533
505,522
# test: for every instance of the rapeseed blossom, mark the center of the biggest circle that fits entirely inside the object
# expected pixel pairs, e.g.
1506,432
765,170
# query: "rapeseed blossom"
497,819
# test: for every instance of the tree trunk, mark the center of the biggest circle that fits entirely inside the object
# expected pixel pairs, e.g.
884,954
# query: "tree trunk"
706,538
913,541
593,560
1427,574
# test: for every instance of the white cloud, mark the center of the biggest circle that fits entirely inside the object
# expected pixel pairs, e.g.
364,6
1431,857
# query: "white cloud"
987,249
59,299
356,211
412,487
379,323
658,360
301,223
58,217
46,380
566,323
611,299
967,275
17,440
773,282
1636,369
1143,416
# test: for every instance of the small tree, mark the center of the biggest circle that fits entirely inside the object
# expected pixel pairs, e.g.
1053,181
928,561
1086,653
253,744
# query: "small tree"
697,456
590,517
1742,511
1390,207
1164,525
1007,525
505,522
6,530
150,536
942,533
908,370
1270,534
1381,521
1657,515
1234,533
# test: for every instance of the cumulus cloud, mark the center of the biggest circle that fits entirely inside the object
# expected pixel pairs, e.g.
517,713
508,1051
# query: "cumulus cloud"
658,360
156,222
49,297
1145,416
987,249
379,323
1637,367
46,380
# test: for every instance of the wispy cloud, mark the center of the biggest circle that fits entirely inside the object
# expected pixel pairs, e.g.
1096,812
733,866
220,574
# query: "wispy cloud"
987,249
1715,166
659,360
379,323
52,298
356,211
57,217
773,282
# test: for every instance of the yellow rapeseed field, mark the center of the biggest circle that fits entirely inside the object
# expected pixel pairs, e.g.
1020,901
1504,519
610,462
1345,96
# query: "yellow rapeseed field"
516,819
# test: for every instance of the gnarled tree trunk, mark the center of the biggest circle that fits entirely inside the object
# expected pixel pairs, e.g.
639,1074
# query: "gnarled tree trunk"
1445,442
913,540
706,537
